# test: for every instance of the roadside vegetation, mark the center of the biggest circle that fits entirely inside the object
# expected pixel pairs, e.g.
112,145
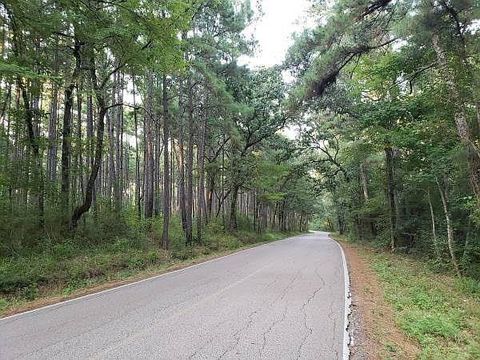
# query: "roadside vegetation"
56,271
440,311
436,309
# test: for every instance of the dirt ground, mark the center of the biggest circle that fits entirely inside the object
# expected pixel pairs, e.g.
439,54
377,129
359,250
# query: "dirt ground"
372,324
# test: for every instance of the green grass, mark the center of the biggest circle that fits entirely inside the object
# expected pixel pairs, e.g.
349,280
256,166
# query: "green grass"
439,311
65,268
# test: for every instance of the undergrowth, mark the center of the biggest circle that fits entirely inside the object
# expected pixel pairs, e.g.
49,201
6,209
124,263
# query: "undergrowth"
438,310
114,249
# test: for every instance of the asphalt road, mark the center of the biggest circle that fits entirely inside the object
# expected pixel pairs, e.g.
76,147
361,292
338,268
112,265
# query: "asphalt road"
283,300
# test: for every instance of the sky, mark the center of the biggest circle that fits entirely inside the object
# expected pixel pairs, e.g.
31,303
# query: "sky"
273,31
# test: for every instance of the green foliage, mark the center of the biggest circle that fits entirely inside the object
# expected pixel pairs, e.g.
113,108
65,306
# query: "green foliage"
381,124
438,311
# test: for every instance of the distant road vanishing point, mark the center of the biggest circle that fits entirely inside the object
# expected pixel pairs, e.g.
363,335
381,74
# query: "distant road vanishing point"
282,300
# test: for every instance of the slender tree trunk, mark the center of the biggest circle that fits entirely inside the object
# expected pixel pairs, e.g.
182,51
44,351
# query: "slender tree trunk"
52,137
434,228
157,157
233,208
166,165
90,143
149,163
444,196
210,194
391,196
138,198
173,193
221,205
66,145
181,161
364,182
35,149
80,138
67,129
201,207
90,140
119,141
189,166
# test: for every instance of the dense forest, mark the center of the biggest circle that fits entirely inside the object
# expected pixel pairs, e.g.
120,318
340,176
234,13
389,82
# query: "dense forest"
121,110
391,102
133,118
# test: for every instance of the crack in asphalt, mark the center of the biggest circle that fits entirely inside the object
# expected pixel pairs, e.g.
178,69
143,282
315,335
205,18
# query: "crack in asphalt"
270,328
250,321
288,287
284,314
195,353
237,334
270,284
305,317
206,343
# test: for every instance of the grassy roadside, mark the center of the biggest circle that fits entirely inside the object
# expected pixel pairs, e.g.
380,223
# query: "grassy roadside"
439,311
67,270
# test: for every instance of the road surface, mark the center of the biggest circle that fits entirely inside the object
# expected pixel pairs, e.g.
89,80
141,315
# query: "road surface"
283,300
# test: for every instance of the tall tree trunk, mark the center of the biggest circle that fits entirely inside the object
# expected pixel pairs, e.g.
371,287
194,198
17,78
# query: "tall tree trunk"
233,208
157,146
210,194
67,128
201,207
97,161
181,159
80,139
90,140
66,145
364,182
189,166
149,162
119,141
138,195
166,165
389,163
35,149
52,137
90,143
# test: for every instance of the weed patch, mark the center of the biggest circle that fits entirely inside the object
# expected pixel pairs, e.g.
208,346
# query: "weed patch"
439,311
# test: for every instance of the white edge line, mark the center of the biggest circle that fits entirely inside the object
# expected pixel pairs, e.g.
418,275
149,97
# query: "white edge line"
348,302
61,303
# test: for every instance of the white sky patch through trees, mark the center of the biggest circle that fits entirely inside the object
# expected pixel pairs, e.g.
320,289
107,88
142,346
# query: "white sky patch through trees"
274,30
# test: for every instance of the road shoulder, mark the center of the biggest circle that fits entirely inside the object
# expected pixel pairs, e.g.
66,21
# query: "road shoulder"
372,324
